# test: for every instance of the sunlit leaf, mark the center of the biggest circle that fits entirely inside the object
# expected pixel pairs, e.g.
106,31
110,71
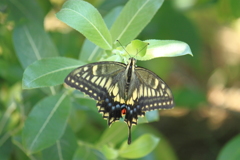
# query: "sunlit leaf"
83,17
165,48
109,152
135,15
91,52
137,48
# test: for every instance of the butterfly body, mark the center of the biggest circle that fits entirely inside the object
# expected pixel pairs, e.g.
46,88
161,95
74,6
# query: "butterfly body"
121,91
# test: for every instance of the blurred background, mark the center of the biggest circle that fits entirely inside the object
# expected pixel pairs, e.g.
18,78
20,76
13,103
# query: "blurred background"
206,86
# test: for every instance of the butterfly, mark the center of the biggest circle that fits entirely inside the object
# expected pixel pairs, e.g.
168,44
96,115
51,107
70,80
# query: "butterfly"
121,90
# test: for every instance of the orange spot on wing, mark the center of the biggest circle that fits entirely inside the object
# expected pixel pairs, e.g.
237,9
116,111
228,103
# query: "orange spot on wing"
123,111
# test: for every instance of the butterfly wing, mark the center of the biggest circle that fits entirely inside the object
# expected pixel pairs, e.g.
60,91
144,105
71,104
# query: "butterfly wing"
95,79
104,82
146,92
153,92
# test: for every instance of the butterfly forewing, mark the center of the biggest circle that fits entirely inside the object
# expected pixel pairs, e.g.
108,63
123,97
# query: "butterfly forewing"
95,79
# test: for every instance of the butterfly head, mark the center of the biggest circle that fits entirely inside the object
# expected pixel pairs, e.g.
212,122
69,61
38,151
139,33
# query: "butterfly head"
132,61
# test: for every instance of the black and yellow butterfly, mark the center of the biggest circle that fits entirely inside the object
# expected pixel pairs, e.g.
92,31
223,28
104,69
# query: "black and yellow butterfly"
121,90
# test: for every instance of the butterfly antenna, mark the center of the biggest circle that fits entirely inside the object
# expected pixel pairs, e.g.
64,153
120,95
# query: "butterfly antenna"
142,49
123,47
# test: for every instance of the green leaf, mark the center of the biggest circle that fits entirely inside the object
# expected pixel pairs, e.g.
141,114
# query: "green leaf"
231,151
20,150
63,149
235,4
85,152
165,48
21,10
48,72
163,150
152,116
46,123
109,152
10,71
182,95
90,52
77,119
45,5
32,43
83,17
5,149
135,15
139,148
115,134
111,17
137,48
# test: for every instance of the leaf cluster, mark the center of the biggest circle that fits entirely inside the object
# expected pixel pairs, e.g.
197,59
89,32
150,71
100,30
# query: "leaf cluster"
47,121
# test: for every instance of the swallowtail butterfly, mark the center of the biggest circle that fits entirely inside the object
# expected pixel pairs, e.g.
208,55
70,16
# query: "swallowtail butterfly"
121,90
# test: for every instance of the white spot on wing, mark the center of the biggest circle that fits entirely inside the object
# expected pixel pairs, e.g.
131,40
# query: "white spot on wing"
115,90
140,90
84,75
98,81
134,94
103,82
149,92
85,68
94,70
93,79
88,77
145,91
153,93
156,83
163,85
109,82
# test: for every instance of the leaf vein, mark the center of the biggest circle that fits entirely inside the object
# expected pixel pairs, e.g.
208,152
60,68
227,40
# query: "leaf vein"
47,120
124,30
34,47
104,39
46,74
